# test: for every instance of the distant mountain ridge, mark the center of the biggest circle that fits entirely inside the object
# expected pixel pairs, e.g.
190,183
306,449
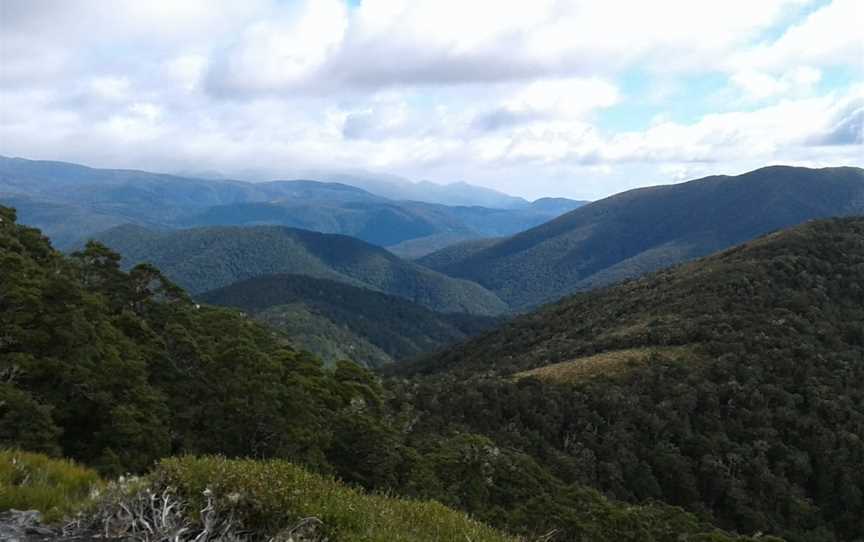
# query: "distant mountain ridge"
70,202
643,230
386,185
202,259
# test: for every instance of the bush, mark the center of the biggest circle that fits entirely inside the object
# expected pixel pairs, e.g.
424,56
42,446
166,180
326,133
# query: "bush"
58,488
270,496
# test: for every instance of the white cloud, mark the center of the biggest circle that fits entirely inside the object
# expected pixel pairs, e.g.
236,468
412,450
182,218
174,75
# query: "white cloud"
283,53
110,88
488,91
760,85
187,71
433,42
830,36
548,100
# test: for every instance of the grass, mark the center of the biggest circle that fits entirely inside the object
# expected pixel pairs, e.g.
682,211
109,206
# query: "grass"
58,488
612,363
269,496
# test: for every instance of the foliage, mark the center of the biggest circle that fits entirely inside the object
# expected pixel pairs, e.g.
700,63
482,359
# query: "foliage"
337,321
644,230
455,253
121,369
59,488
269,496
755,421
118,369
203,259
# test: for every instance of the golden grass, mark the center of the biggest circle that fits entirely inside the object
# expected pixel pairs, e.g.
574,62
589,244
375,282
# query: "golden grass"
612,363
56,487
270,495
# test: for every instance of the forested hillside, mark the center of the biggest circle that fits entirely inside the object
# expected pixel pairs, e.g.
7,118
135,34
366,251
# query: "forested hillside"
337,321
117,370
203,259
732,386
644,230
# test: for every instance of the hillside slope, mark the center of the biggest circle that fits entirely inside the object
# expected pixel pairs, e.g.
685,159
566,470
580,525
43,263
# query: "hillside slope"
731,386
119,370
650,228
337,321
782,277
202,259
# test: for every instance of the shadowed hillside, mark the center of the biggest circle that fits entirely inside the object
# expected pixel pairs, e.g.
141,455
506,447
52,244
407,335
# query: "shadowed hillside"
336,321
730,386
204,259
650,228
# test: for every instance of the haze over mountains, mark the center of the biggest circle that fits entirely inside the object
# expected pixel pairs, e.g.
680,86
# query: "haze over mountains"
643,230
70,202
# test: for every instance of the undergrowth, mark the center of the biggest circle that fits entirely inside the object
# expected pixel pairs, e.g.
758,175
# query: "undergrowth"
58,488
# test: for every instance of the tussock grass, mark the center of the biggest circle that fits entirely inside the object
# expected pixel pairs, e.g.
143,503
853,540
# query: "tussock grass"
612,363
58,488
269,496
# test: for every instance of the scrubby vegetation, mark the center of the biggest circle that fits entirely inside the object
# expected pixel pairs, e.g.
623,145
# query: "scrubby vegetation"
59,488
213,498
273,495
337,321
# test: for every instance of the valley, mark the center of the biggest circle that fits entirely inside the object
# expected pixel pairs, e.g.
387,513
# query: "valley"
639,399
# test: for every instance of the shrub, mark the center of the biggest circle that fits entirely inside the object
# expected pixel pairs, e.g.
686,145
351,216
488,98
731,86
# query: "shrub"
58,488
270,496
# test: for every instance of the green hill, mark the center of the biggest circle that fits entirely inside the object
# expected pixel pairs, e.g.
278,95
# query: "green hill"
456,253
730,386
203,259
643,230
337,321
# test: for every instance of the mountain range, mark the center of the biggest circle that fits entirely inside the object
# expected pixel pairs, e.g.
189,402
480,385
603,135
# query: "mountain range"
629,234
721,392
387,185
70,202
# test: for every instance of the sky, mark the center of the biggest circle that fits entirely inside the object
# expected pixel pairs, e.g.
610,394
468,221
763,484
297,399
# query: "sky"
575,98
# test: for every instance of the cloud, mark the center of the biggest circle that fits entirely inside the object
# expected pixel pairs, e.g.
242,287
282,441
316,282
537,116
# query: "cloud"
847,127
385,43
830,37
760,85
384,119
550,97
283,53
